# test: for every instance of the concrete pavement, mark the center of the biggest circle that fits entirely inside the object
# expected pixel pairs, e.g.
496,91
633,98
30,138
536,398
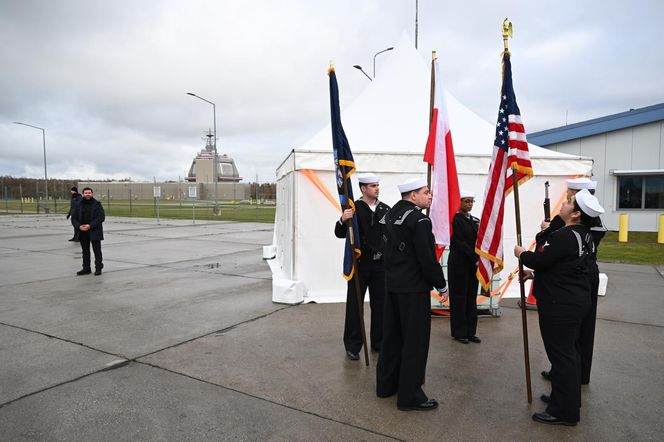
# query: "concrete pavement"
178,340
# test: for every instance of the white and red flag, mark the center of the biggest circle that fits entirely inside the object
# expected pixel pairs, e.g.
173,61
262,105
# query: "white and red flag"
439,153
511,159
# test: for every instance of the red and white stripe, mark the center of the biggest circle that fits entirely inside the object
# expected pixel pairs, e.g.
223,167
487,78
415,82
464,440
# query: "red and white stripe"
439,153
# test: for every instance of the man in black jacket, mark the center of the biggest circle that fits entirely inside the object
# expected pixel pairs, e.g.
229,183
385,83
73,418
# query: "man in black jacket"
75,199
411,269
462,272
370,269
88,218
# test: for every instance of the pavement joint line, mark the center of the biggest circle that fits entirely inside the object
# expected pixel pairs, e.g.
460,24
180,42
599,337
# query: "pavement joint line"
50,387
603,319
270,401
63,340
223,330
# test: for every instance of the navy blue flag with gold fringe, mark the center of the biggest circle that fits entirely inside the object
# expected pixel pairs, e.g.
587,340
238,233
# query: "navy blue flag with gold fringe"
344,167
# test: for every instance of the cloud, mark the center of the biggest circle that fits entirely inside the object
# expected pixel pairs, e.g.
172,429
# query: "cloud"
108,80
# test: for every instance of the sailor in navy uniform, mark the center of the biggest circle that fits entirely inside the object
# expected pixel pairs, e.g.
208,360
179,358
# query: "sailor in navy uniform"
563,300
597,231
412,270
371,271
462,272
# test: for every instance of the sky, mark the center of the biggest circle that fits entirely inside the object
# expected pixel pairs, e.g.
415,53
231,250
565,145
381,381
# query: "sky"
108,80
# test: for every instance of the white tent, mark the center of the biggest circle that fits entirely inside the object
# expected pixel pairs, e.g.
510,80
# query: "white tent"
387,128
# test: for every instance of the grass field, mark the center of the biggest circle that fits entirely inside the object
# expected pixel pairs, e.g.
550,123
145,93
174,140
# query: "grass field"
203,210
642,248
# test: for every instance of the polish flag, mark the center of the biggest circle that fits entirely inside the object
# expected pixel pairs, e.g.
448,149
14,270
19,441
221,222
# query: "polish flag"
439,153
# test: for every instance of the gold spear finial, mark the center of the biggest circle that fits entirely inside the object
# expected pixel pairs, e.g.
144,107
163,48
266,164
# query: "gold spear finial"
331,68
507,32
434,56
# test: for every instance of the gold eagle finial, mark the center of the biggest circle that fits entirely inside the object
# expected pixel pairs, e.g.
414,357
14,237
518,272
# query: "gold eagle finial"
507,31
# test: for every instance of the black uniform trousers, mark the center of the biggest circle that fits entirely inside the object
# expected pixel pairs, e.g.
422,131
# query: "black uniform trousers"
463,285
85,248
372,276
560,325
402,361
587,332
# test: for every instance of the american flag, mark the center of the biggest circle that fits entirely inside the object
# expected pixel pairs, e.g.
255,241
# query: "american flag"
510,152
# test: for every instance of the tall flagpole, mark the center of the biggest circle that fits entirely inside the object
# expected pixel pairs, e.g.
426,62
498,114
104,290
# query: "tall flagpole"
356,276
351,239
507,32
431,103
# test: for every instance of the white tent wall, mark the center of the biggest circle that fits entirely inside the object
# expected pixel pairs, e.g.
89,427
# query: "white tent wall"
387,127
310,260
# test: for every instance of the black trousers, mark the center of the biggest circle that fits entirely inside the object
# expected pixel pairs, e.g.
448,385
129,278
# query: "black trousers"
85,248
587,332
77,233
560,325
371,276
463,285
402,361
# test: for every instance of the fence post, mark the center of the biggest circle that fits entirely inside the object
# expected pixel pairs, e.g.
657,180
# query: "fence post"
130,201
20,193
108,199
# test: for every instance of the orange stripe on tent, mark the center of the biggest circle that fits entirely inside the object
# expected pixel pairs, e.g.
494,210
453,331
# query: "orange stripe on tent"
316,181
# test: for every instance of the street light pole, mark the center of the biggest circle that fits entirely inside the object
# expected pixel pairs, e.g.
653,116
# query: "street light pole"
214,161
44,142
374,60
358,67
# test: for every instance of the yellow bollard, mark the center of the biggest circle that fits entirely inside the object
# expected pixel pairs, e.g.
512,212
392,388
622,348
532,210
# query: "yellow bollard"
660,231
623,227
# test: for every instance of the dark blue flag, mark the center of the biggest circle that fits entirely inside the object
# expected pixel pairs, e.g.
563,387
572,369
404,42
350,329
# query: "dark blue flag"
344,167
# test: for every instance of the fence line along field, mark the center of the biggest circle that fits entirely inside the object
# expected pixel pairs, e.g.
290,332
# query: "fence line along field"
173,209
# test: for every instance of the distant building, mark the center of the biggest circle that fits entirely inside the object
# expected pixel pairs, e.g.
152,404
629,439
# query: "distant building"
202,167
628,154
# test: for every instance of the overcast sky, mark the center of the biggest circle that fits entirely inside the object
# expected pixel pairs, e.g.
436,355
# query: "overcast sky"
108,80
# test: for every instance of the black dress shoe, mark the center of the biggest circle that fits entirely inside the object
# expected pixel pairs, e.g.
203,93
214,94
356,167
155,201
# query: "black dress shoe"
72,239
83,272
545,398
546,418
475,339
462,340
546,375
97,272
429,405
352,356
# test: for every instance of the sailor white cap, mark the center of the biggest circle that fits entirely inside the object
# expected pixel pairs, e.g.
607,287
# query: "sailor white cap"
466,194
368,178
580,183
589,203
593,185
412,184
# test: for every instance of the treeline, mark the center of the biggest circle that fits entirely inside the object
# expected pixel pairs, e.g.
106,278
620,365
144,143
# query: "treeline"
14,187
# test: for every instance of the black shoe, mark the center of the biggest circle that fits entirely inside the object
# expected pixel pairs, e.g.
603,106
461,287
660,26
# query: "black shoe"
462,340
429,405
546,375
375,349
546,418
545,398
97,272
475,339
352,356
83,272
72,239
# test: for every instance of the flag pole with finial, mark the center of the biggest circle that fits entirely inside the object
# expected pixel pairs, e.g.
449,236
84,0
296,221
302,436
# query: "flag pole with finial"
351,237
507,33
